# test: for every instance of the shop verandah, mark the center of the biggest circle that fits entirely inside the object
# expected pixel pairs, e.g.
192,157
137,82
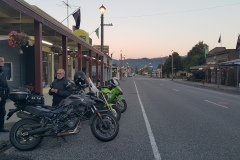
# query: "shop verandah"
225,73
37,64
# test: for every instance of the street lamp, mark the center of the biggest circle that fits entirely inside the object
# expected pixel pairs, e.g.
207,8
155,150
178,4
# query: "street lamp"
121,65
102,10
172,64
161,67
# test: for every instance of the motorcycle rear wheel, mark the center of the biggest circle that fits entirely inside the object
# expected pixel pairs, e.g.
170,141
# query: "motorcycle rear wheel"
105,129
20,142
122,105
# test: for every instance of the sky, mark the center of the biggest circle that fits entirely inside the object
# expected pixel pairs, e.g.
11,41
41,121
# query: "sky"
153,28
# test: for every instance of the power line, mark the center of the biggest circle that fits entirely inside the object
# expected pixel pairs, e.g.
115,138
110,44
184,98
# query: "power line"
177,12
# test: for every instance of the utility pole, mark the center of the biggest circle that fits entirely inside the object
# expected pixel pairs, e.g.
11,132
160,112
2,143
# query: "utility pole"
67,12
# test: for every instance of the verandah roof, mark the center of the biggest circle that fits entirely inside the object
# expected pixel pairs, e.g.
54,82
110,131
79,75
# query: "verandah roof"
235,62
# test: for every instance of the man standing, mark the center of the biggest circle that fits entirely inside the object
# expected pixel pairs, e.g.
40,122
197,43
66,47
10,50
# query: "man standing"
4,91
58,88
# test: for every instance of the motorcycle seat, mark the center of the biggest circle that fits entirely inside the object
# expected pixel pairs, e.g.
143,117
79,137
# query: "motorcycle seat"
39,111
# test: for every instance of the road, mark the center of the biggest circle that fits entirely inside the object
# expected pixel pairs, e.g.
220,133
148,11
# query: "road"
164,120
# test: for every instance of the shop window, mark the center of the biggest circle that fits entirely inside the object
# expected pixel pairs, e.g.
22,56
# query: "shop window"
8,71
56,63
47,69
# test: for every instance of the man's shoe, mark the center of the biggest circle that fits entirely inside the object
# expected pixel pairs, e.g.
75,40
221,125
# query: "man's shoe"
4,130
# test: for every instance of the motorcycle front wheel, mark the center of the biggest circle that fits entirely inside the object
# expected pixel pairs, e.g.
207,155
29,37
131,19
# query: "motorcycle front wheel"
21,142
105,127
116,112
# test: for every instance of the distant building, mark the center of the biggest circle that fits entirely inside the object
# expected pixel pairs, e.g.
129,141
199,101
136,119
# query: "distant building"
105,48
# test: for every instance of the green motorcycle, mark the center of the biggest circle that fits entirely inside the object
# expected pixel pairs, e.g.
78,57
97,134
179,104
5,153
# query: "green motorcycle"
113,93
96,91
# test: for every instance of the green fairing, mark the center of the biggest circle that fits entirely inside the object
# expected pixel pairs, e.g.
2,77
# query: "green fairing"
114,92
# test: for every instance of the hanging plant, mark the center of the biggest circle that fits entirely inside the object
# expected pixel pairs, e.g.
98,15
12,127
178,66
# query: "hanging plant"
73,54
18,39
56,49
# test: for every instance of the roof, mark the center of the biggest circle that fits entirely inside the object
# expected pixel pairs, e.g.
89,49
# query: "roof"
205,66
19,15
235,62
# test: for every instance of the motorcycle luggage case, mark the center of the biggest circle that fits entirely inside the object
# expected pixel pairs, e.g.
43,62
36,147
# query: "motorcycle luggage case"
18,96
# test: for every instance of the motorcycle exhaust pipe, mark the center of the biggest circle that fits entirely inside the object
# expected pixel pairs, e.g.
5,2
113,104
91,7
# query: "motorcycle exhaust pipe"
75,131
23,115
36,131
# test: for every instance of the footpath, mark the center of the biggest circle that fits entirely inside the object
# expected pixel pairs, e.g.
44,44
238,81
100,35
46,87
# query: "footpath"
4,137
213,86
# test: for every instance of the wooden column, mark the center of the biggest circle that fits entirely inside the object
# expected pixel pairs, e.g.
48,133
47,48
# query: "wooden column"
90,65
96,69
64,56
79,57
38,56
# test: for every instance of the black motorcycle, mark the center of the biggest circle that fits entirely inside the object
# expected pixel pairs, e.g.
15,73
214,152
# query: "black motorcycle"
63,119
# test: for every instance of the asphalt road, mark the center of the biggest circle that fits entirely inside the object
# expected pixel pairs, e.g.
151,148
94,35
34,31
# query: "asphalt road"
164,120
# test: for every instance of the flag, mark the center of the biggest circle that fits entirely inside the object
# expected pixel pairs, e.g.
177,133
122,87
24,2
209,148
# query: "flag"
77,17
238,44
219,40
97,32
205,52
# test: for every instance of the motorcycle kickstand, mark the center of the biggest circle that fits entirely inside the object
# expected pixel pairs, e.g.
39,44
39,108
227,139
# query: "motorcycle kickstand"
62,138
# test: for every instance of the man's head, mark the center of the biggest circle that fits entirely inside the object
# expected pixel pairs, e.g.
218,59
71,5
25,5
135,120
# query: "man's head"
1,61
60,73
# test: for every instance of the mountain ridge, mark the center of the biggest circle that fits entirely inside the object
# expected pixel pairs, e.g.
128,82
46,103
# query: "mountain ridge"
141,62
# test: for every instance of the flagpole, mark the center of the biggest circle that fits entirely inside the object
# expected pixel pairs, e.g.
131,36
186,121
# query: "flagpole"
71,14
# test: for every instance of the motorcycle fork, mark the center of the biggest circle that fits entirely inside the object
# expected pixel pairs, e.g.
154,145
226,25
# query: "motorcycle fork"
97,113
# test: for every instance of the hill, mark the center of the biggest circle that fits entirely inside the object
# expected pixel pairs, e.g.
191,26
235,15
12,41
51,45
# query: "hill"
141,62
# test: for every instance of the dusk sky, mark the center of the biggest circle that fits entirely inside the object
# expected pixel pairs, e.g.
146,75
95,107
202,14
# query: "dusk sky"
152,28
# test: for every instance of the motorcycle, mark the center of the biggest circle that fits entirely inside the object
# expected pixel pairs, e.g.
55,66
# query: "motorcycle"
113,95
63,119
95,93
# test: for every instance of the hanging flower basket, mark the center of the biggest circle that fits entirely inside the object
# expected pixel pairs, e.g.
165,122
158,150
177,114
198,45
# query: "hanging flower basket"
56,49
18,39
73,54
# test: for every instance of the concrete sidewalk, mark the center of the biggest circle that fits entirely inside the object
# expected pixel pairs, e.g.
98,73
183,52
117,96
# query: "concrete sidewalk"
4,137
224,88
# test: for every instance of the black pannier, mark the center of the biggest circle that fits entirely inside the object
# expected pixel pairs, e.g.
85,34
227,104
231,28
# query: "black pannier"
18,96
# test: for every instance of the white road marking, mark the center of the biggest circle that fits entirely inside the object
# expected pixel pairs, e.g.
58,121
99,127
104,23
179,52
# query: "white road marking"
215,103
149,130
161,84
175,90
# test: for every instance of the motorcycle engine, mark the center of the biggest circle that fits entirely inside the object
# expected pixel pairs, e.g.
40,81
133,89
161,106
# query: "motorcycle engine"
71,123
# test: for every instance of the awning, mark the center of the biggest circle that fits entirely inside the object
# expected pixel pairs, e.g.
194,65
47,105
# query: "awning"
235,62
206,66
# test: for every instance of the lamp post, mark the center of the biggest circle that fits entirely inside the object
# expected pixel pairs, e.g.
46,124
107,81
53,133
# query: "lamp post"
172,64
124,71
160,75
121,65
102,10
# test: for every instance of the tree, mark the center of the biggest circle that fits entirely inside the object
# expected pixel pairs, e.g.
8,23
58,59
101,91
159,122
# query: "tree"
177,64
196,56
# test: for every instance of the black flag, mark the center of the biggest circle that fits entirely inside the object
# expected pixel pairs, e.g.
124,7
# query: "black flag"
238,44
77,17
219,40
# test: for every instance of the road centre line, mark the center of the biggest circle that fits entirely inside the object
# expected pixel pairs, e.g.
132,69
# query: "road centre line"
149,130
175,90
215,103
